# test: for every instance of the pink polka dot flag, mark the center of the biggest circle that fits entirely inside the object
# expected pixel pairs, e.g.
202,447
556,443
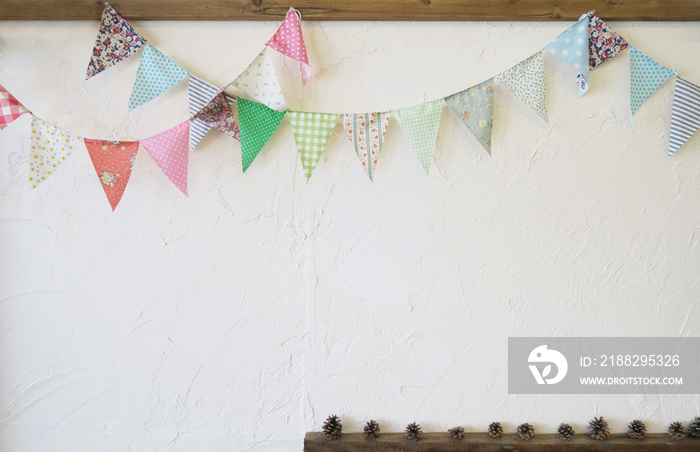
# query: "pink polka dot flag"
170,150
289,41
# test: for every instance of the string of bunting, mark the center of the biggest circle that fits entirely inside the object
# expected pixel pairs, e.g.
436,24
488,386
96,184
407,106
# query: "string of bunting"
261,107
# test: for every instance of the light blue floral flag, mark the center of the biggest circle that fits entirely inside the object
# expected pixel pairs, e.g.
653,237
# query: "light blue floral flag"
572,47
646,76
156,74
474,106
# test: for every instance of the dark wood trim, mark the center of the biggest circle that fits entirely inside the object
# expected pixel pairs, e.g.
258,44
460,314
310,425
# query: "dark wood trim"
388,10
481,442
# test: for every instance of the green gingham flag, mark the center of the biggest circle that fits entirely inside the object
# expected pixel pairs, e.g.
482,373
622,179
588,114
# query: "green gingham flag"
311,132
421,123
258,122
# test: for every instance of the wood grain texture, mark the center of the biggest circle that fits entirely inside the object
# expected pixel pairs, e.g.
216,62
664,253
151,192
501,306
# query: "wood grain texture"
481,442
389,10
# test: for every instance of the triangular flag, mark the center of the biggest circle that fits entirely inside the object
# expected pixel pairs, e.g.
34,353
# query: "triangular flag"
572,47
685,117
289,41
10,108
474,106
259,82
200,93
50,146
604,43
218,113
156,74
116,41
526,81
170,151
421,123
311,133
258,123
113,161
646,76
366,132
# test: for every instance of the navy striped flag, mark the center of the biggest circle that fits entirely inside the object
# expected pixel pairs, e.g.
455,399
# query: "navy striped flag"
201,93
685,117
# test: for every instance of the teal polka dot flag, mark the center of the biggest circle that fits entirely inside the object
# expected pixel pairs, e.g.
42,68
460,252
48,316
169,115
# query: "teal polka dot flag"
156,74
646,76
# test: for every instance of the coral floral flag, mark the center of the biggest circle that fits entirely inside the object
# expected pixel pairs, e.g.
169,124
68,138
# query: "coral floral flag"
289,41
170,150
113,161
10,108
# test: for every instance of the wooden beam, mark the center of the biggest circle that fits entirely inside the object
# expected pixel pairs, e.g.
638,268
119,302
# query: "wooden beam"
388,10
481,442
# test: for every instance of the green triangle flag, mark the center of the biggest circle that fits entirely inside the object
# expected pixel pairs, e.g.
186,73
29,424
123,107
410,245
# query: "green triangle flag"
258,122
311,132
421,123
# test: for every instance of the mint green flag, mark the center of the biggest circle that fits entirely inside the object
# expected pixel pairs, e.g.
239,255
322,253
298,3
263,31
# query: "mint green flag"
421,123
258,122
311,133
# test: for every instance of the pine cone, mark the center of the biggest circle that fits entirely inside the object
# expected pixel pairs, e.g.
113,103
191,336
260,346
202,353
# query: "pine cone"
598,429
495,430
414,432
372,429
456,433
526,431
693,429
676,430
332,428
637,429
565,431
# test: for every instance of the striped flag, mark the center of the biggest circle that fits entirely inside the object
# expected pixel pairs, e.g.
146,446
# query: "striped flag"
200,93
685,117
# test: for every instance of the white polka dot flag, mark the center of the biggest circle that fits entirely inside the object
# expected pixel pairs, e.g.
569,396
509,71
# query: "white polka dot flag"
289,41
526,81
170,150
572,47
10,108
420,124
646,76
156,74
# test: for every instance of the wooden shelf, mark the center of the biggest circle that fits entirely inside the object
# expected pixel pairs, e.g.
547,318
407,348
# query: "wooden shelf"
389,10
481,442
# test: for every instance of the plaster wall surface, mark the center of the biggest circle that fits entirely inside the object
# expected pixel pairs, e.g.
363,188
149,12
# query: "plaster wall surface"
240,317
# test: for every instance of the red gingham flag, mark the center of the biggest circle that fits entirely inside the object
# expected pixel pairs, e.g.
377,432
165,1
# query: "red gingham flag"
10,108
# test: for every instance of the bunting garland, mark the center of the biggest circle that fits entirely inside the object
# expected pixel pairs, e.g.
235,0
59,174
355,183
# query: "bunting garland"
526,81
10,108
311,133
586,45
113,162
421,123
366,132
156,74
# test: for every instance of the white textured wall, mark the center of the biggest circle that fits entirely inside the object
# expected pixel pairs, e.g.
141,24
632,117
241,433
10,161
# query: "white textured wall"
239,318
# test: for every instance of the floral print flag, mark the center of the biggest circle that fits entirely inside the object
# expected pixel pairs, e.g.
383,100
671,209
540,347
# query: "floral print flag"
646,76
258,123
311,133
170,150
603,42
474,106
289,41
218,113
156,74
526,81
113,161
685,116
50,147
366,132
259,82
421,123
10,108
572,47
116,41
